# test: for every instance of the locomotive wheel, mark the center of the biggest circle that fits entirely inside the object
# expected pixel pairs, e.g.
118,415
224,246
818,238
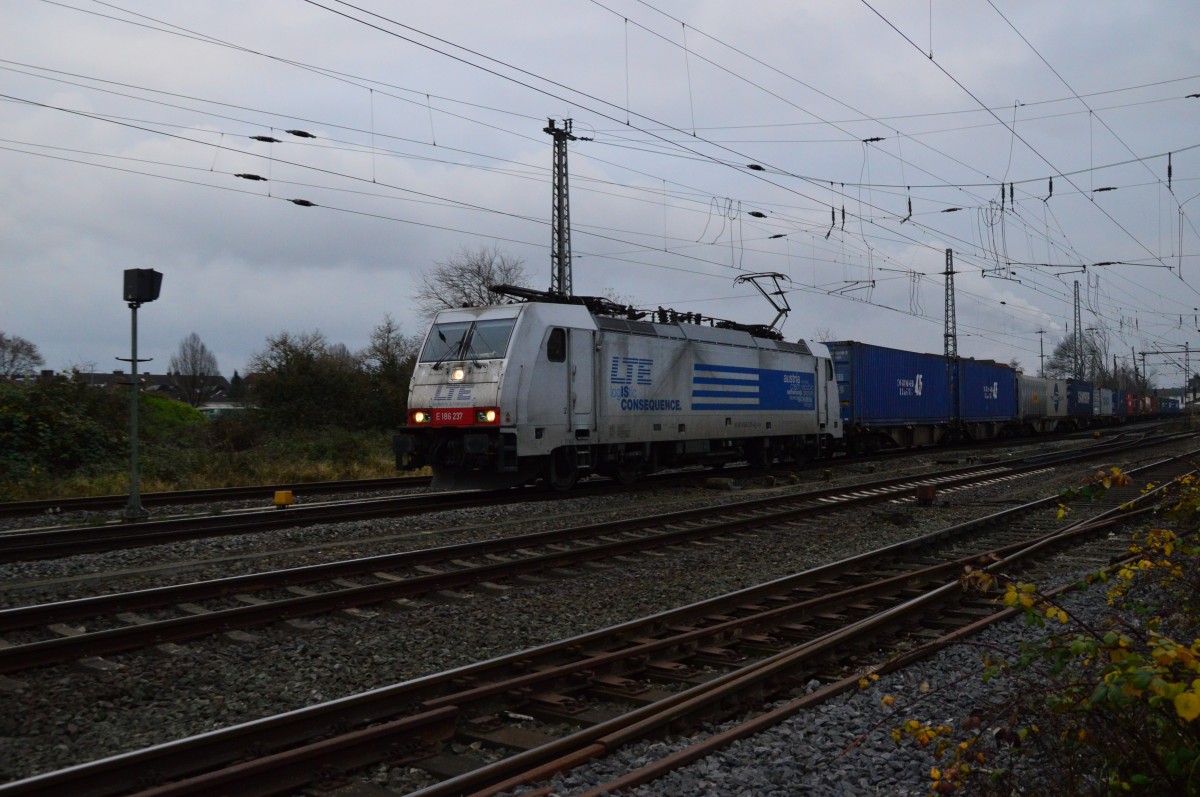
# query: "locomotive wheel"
564,468
625,474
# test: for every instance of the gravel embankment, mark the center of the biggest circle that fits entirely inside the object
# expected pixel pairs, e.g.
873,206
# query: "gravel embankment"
59,716
844,747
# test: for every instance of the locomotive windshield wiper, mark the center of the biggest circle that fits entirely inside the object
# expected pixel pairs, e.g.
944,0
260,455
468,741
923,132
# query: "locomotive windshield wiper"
455,349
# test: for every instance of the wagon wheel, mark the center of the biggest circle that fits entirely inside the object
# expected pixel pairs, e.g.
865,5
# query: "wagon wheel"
564,468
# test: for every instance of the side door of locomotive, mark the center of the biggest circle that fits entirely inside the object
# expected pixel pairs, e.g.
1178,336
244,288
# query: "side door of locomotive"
827,400
581,376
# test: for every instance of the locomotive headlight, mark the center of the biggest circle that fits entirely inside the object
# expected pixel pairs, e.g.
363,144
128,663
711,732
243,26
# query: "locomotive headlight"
457,375
485,416
420,417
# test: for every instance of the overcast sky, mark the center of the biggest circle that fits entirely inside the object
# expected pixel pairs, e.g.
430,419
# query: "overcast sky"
884,130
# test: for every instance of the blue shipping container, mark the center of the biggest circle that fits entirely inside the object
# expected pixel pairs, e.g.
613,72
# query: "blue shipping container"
1079,399
878,385
987,391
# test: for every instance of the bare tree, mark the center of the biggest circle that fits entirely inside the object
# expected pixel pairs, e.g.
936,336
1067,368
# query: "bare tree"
194,370
390,350
388,361
824,334
465,279
18,357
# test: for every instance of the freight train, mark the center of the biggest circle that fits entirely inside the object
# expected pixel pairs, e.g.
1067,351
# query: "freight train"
553,387
891,397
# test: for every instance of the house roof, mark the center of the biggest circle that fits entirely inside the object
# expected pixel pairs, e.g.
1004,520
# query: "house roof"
165,384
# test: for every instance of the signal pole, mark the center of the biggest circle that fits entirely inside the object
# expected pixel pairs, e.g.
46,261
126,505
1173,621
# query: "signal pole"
560,236
141,285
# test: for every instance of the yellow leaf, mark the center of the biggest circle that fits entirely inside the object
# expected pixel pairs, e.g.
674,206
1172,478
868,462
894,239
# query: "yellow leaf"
1187,705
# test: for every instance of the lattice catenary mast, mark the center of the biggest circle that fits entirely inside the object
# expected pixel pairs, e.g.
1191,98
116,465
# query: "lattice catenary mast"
560,235
1078,336
951,333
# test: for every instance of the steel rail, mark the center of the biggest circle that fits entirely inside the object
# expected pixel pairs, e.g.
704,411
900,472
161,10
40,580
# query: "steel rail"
760,723
766,511
53,506
27,545
61,505
187,756
763,512
716,695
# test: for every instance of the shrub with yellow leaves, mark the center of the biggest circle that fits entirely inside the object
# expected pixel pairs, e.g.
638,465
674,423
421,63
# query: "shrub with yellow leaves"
1120,702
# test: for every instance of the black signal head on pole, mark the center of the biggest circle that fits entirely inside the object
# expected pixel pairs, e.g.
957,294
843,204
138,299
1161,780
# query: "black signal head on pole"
142,285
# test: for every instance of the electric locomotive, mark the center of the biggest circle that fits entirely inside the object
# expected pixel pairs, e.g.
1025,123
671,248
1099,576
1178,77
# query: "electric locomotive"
555,387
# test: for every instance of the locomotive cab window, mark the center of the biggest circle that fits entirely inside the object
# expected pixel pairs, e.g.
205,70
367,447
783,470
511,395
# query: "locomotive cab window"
486,339
556,345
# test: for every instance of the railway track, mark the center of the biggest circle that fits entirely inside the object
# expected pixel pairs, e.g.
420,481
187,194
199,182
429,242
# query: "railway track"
54,507
548,708
23,545
263,492
232,602
187,611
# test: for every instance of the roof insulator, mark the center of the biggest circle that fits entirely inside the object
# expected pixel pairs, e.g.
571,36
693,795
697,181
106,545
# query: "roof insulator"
300,133
758,214
267,139
304,203
250,177
755,167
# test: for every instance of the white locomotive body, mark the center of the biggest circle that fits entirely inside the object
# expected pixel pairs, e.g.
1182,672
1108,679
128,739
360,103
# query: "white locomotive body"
507,394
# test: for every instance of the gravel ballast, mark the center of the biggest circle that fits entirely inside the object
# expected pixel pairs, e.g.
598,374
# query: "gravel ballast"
844,747
59,716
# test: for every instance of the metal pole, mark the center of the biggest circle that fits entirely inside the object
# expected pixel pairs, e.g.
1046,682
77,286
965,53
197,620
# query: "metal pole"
560,230
951,338
134,510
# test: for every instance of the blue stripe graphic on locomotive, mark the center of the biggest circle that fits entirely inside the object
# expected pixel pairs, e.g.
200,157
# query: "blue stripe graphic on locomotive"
734,387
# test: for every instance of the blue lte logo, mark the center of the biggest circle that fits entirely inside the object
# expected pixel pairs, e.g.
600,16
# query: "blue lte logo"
630,371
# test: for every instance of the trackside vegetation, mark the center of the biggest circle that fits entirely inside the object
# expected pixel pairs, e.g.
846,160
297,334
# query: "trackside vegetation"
1100,708
62,437
312,411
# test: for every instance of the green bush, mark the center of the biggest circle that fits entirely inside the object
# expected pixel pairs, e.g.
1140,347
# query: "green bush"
63,437
56,426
